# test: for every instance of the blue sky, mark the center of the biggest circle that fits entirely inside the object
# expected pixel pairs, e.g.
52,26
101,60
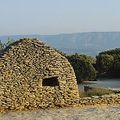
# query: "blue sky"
58,16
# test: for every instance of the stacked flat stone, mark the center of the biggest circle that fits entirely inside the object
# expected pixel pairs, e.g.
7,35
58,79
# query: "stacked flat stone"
23,66
112,99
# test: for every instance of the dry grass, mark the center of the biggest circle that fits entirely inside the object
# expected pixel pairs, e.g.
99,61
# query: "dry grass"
95,92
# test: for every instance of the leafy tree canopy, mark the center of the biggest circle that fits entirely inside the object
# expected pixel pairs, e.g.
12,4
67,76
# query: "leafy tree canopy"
108,62
83,67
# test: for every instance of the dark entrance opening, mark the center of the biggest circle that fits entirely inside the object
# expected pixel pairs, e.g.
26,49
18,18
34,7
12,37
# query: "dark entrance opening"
51,81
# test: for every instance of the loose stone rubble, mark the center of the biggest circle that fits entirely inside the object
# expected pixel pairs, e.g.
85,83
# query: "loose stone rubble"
24,65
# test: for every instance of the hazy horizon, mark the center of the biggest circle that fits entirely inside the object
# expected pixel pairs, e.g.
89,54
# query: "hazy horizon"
58,17
84,43
62,33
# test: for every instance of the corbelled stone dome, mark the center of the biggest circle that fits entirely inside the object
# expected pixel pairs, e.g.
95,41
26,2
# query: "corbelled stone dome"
33,75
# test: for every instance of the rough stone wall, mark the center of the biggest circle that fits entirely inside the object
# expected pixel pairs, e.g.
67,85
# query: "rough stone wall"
113,99
23,66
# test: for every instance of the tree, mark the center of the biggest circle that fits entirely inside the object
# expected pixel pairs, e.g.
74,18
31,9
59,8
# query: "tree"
1,45
9,41
108,63
104,63
84,70
4,45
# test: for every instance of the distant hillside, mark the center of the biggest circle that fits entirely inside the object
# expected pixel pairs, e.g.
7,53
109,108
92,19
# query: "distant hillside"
87,43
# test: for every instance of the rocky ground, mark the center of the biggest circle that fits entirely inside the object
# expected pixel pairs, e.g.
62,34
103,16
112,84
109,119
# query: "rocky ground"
89,113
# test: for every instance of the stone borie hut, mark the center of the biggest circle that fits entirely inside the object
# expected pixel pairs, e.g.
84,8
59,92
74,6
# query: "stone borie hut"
33,75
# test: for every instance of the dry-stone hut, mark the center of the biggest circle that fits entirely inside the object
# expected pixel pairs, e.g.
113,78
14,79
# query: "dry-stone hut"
33,75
